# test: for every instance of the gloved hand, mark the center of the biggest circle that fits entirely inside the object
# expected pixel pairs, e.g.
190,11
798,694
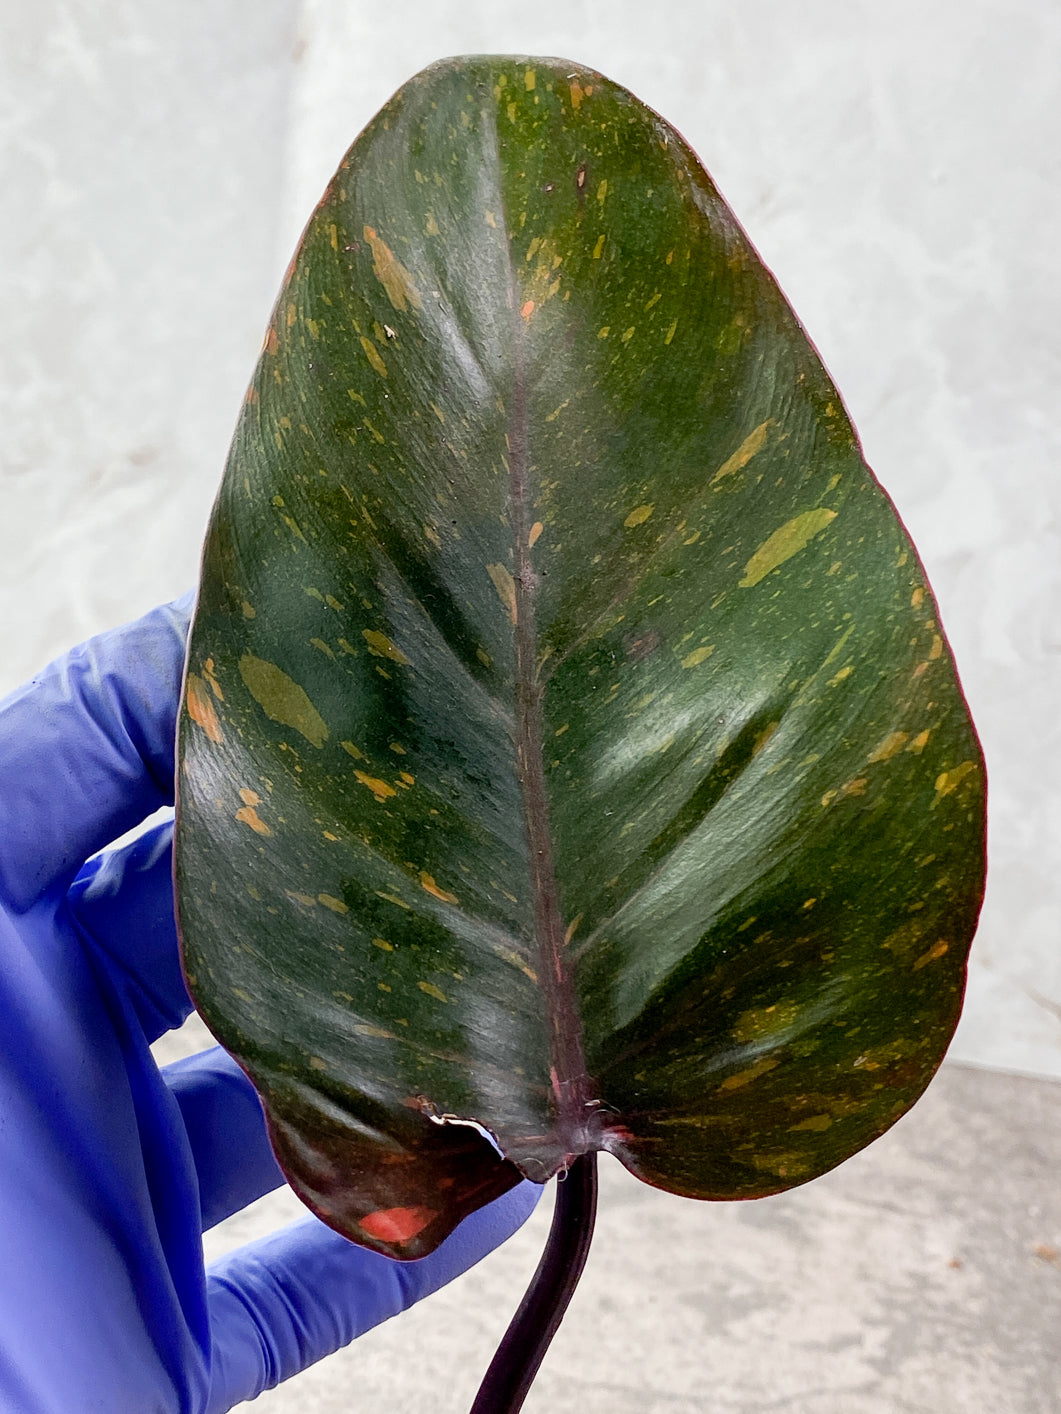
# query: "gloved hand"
109,1168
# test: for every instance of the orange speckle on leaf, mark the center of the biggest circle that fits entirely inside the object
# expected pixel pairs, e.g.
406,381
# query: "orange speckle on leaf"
917,598
750,447
250,797
427,883
948,781
201,709
892,744
786,542
282,699
215,686
506,588
391,273
528,309
935,952
380,646
397,1225
373,356
380,789
535,530
575,90
745,1077
297,896
272,343
638,516
249,816
816,1124
853,787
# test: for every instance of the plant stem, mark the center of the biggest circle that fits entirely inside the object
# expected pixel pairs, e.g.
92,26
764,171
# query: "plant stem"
516,1361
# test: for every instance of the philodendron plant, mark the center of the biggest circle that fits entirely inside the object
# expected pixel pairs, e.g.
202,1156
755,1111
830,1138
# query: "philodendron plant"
571,755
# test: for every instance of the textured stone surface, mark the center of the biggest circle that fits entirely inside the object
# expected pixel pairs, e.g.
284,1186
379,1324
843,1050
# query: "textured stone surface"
921,1277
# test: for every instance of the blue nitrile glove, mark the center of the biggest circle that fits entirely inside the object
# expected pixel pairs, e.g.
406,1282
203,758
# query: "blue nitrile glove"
109,1168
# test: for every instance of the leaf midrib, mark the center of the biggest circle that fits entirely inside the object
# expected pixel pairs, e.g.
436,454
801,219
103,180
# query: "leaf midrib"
571,1084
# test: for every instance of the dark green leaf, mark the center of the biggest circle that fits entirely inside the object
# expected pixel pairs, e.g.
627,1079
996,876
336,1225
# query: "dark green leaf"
571,744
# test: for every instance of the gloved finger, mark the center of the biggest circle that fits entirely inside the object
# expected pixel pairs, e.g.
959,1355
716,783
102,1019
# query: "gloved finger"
286,1301
122,902
226,1130
86,750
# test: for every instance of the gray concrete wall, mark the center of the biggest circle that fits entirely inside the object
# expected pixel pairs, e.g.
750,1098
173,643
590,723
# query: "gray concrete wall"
141,159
